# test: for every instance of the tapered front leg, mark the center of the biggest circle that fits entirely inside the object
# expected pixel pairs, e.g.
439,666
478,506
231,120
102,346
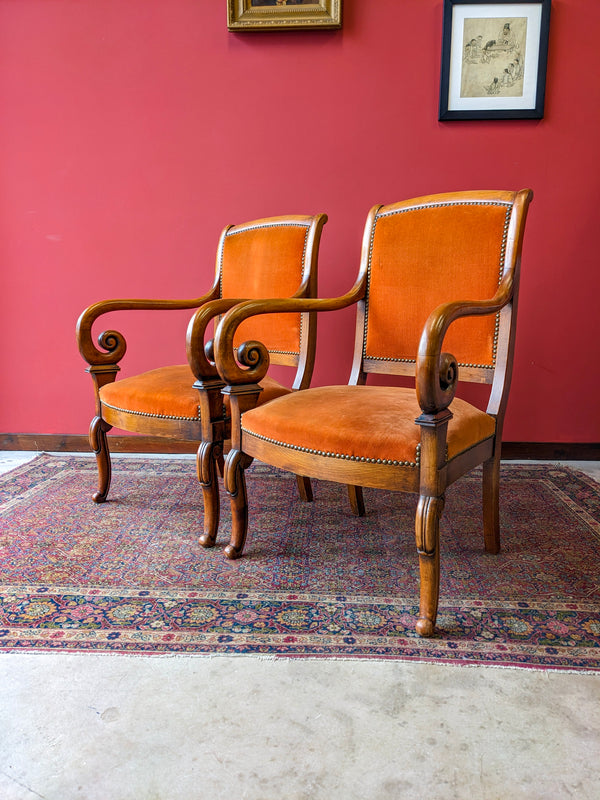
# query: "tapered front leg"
427,529
491,504
99,445
235,484
206,466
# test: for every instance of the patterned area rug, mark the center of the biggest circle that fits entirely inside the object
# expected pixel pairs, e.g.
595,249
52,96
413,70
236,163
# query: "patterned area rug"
129,576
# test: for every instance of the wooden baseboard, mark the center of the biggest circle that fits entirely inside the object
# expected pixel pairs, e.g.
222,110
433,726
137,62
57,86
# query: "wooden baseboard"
70,443
552,451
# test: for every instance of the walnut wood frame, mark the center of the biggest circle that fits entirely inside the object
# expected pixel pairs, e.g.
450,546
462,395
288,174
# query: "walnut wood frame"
436,377
104,358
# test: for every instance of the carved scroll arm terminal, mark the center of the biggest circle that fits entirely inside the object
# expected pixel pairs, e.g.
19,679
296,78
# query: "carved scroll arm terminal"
112,344
248,363
437,372
200,352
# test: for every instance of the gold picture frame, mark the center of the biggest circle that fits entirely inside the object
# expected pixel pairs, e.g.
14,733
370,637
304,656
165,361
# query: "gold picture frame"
268,15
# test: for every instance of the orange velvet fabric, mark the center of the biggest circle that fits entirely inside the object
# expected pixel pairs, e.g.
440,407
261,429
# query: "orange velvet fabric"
371,422
265,261
168,392
430,255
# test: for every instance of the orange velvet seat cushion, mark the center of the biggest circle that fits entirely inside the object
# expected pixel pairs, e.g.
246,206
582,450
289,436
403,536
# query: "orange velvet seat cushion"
362,422
168,392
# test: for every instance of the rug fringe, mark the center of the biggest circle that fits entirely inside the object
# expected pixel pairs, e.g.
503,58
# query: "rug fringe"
399,661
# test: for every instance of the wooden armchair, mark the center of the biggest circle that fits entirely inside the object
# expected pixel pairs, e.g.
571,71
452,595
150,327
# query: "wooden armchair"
436,272
274,257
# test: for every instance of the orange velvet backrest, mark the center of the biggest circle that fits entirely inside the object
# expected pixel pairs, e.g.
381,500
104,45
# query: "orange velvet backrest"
266,258
430,251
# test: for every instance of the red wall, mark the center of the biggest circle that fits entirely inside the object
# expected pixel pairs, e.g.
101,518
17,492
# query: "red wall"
133,130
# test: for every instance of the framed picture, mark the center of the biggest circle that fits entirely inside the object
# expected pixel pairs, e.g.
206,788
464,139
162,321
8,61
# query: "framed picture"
494,59
267,15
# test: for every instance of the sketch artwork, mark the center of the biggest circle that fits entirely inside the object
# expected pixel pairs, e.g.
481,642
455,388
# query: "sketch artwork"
493,57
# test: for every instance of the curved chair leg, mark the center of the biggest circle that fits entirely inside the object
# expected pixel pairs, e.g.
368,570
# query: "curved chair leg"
427,529
304,488
206,468
99,444
357,503
491,504
235,484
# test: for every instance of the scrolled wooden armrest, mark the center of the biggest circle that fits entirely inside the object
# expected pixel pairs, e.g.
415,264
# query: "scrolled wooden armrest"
437,372
113,343
253,356
200,353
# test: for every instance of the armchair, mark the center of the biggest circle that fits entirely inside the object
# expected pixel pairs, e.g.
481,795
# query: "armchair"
275,257
438,275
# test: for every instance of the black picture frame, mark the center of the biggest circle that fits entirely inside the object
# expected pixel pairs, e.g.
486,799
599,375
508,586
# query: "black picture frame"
494,57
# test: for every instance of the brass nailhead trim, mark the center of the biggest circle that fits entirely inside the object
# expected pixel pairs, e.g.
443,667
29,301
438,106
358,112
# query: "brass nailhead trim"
281,224
361,459
414,360
154,416
501,271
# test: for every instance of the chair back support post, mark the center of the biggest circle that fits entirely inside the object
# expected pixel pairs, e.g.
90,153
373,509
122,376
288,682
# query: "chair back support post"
498,399
308,323
358,375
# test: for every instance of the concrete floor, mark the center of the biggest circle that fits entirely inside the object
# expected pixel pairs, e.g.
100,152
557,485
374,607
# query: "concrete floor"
101,727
